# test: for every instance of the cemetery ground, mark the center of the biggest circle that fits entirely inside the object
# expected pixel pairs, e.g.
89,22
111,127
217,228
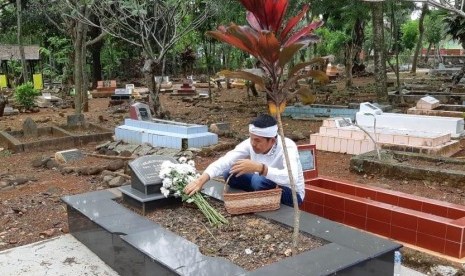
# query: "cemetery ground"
31,209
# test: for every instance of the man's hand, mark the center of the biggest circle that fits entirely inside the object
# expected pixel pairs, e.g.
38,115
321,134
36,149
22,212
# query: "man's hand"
243,166
196,185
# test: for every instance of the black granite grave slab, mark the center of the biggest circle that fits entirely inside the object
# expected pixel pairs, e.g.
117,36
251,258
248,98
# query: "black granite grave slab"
141,247
145,173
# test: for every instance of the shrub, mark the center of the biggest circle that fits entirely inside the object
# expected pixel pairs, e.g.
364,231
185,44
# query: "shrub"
24,95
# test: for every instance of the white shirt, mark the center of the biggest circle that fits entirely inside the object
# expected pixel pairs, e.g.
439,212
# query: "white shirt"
274,160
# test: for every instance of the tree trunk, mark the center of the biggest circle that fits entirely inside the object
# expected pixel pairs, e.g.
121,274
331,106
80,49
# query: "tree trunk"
421,30
95,50
349,64
427,51
20,42
79,43
3,101
295,234
149,70
379,53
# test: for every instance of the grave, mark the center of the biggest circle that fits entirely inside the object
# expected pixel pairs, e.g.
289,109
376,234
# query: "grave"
133,245
414,96
422,134
413,220
47,100
70,155
8,110
238,83
144,190
142,128
53,136
120,96
104,89
444,71
186,89
166,85
139,93
430,106
315,111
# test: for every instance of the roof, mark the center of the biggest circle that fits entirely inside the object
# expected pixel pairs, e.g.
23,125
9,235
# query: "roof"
11,52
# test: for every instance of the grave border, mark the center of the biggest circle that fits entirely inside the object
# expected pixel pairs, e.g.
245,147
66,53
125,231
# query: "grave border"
121,238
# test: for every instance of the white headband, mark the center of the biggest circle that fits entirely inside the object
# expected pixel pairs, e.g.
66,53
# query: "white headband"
268,132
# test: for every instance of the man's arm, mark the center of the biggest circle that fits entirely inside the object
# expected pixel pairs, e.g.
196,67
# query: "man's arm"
197,184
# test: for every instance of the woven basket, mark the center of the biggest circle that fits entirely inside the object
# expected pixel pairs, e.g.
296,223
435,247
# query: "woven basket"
251,202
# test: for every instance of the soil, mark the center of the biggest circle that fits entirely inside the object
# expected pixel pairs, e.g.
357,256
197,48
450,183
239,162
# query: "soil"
246,240
31,209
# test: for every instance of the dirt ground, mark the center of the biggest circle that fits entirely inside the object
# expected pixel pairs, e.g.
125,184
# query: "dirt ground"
31,210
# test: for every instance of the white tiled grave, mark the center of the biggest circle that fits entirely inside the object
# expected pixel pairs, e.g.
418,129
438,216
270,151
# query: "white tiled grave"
392,131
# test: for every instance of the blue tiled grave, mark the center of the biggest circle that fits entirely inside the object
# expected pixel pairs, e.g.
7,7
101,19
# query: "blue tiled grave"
134,245
325,111
143,128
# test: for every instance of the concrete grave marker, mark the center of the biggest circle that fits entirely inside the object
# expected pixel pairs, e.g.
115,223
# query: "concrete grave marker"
140,111
66,156
428,102
130,87
122,91
30,128
145,172
47,96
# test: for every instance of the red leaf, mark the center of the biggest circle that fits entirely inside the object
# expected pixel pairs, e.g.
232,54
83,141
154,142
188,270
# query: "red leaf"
304,31
293,22
253,22
268,47
269,13
242,37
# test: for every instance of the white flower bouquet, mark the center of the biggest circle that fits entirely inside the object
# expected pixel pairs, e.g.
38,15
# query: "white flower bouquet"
176,177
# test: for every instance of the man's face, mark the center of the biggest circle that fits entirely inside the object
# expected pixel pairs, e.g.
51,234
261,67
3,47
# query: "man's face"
261,145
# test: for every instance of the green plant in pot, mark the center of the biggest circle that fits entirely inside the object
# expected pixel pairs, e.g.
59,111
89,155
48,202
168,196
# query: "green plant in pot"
24,95
273,43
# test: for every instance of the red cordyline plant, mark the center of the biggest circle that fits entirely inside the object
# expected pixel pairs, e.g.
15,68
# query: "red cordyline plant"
274,43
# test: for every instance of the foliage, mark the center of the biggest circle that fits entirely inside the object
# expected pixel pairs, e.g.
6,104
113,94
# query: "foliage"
434,27
175,179
112,55
6,153
24,95
333,42
57,51
410,34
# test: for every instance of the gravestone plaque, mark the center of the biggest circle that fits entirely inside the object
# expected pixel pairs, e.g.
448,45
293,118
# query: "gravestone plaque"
307,159
30,128
66,156
140,111
122,91
145,172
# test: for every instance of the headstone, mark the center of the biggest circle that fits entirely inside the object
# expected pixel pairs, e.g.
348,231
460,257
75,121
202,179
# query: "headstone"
428,103
145,172
66,156
47,96
140,111
130,87
30,128
76,120
368,108
441,66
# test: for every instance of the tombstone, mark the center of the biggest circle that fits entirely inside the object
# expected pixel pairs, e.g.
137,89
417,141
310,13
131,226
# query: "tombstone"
186,88
441,66
75,120
47,96
70,155
368,108
30,128
145,172
140,112
130,87
427,103
8,110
